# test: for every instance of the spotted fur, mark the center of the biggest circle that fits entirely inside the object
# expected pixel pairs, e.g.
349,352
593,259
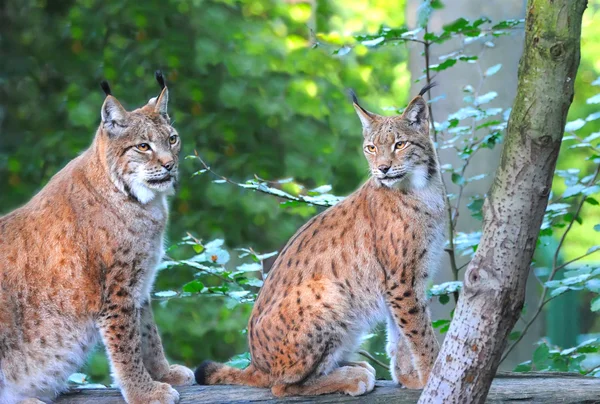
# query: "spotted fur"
364,260
78,261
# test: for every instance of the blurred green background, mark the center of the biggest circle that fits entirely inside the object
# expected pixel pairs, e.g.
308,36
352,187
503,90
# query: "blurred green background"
248,91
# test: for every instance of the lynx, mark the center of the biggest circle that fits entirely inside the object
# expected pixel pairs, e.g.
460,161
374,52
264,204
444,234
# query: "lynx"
363,260
78,261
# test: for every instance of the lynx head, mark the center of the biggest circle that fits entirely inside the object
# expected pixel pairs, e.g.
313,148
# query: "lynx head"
141,147
398,148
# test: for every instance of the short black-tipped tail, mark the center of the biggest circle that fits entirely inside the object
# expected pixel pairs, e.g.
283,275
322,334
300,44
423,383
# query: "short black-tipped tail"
210,372
204,371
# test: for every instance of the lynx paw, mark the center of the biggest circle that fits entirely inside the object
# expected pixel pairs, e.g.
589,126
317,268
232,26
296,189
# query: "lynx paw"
411,381
179,376
156,393
363,383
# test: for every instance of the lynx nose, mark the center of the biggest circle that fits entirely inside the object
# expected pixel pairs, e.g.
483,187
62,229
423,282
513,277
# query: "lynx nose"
169,165
384,169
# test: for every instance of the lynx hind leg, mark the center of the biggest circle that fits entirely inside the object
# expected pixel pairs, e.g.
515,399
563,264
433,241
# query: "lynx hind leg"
351,380
362,364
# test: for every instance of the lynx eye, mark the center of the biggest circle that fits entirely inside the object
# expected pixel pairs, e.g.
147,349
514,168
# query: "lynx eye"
173,139
400,145
143,147
370,148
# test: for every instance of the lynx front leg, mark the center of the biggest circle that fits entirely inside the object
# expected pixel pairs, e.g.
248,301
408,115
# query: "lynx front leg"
154,356
417,348
401,360
120,329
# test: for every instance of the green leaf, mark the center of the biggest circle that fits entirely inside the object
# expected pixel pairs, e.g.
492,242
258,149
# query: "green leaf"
523,367
507,24
493,70
439,323
592,201
513,336
437,4
240,361
559,291
593,285
458,179
595,305
573,190
443,66
559,364
198,248
252,267
166,293
540,356
485,98
456,25
593,100
445,288
194,286
475,207
423,13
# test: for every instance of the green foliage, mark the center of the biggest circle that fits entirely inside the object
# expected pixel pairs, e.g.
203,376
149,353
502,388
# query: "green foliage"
550,359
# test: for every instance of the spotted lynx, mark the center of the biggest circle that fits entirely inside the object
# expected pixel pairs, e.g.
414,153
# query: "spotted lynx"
366,259
78,261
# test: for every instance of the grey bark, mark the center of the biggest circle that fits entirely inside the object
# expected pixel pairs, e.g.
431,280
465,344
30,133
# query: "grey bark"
532,388
494,285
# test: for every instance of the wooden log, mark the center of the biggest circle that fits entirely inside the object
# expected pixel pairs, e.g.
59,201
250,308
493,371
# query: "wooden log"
506,388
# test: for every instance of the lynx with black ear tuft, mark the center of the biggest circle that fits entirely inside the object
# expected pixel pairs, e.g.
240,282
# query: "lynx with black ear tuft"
317,302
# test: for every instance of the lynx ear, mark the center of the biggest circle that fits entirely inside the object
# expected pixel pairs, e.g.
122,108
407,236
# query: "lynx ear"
161,102
366,117
113,114
417,113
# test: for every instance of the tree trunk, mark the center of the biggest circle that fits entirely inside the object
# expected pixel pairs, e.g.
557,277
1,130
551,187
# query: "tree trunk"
494,285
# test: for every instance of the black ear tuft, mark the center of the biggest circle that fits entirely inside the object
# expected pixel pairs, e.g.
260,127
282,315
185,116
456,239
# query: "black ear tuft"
160,78
105,87
427,88
352,96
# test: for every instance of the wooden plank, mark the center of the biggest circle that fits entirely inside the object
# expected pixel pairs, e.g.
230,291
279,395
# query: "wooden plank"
524,388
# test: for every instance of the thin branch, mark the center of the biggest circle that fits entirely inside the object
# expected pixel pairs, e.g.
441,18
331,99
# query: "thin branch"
575,259
587,372
371,357
208,169
451,250
527,326
473,144
575,216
